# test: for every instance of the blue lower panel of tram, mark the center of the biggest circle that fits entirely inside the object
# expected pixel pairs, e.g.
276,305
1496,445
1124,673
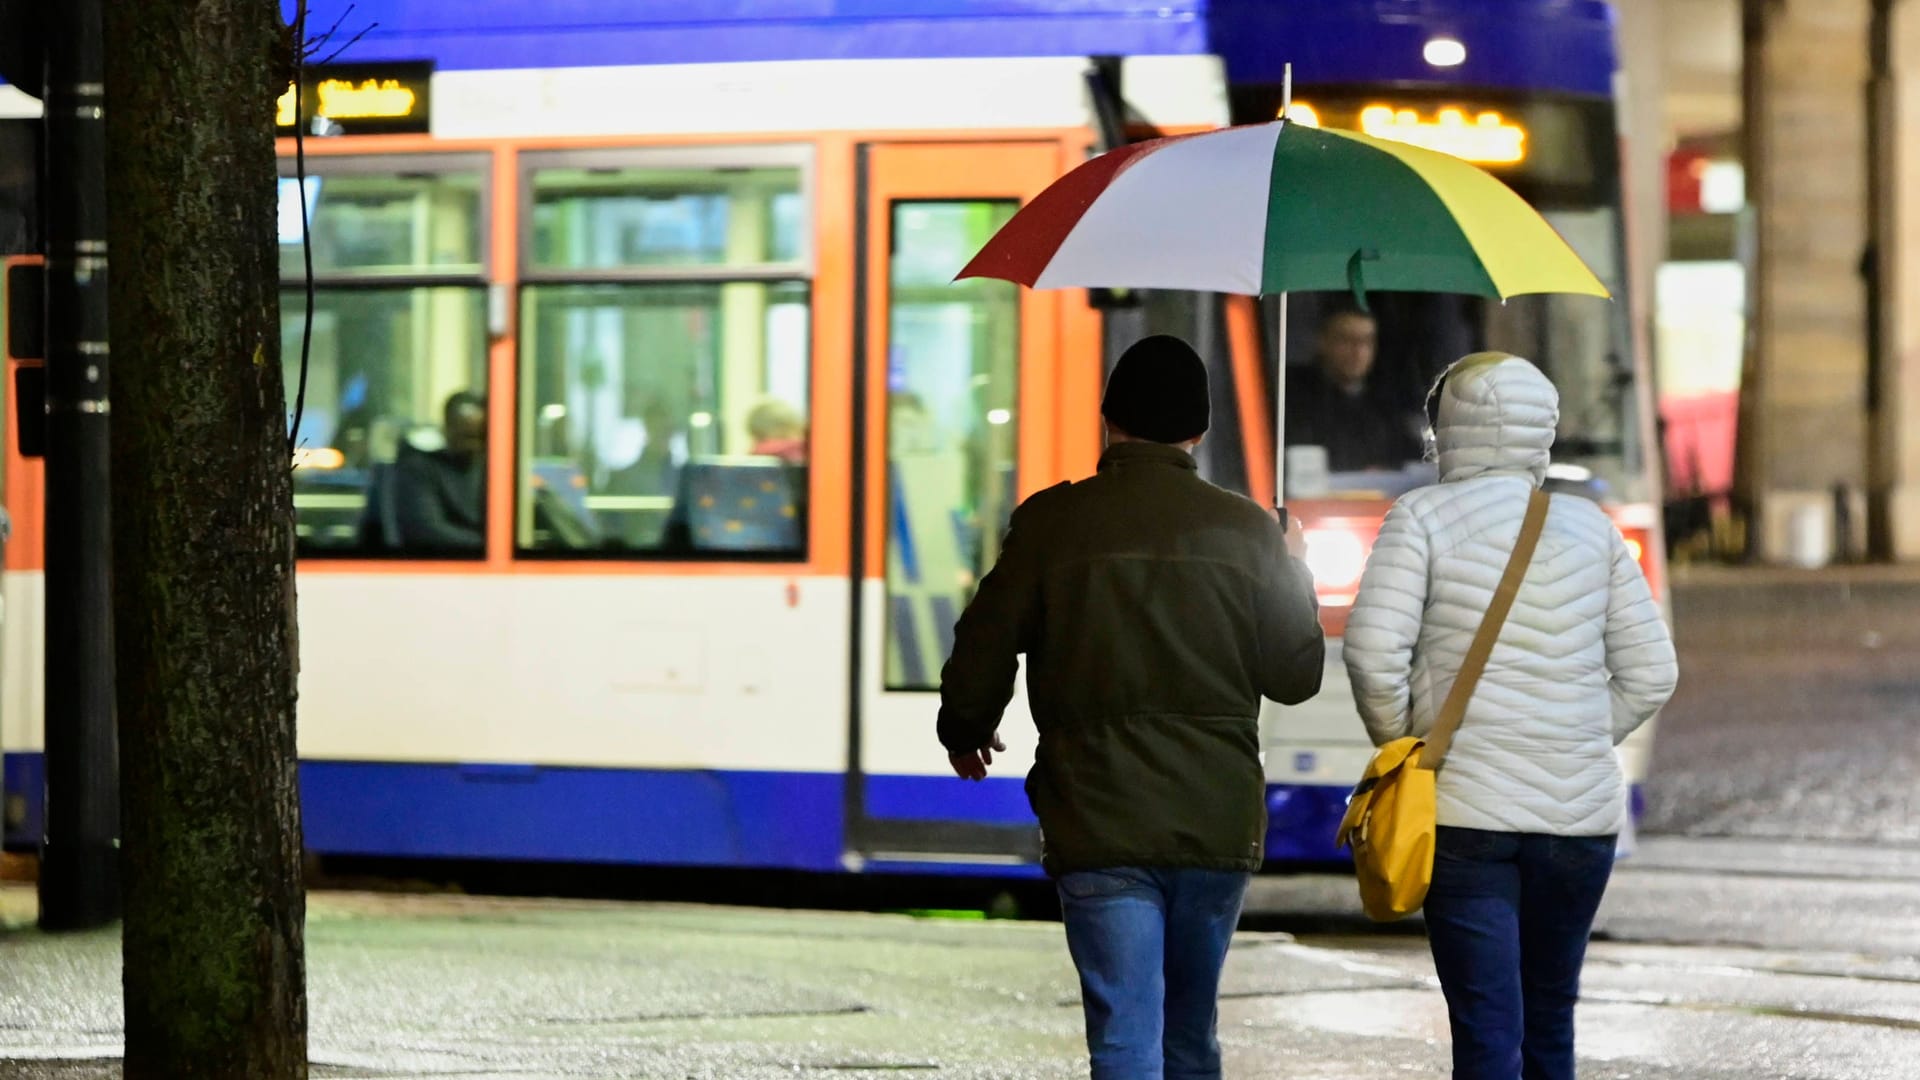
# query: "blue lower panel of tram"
782,820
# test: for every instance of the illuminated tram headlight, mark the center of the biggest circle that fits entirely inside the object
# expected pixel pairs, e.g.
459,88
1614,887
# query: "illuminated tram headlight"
1337,558
1303,114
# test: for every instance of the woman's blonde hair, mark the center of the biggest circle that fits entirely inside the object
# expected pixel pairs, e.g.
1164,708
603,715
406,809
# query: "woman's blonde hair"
773,419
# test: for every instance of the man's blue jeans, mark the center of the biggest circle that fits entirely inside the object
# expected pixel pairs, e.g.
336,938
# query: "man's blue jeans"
1508,918
1149,945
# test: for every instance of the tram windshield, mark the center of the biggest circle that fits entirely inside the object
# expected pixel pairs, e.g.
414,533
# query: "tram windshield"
1357,380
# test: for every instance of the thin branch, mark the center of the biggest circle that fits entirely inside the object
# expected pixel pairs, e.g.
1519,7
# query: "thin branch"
309,49
355,40
306,233
304,54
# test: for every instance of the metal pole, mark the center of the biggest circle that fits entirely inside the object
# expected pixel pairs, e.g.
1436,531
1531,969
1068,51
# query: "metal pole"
79,853
1280,339
1280,400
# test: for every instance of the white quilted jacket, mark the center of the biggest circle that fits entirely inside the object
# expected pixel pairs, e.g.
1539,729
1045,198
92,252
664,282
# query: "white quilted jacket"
1584,657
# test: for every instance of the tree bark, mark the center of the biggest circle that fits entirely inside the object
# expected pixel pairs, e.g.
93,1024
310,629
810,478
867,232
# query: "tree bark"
214,967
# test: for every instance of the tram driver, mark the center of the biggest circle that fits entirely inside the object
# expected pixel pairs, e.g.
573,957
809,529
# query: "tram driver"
1337,402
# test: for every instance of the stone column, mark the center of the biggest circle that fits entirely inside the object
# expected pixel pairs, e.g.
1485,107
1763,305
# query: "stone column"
1643,121
1896,237
1803,422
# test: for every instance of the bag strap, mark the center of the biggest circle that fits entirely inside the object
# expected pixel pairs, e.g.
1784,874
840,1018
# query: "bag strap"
1440,739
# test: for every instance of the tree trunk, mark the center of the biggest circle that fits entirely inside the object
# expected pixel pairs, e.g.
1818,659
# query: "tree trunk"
203,545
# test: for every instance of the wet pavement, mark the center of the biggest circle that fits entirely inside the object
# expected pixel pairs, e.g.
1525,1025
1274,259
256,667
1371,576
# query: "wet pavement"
1709,964
1768,927
1798,713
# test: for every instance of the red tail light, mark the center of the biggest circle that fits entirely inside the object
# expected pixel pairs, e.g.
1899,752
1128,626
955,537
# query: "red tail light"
1643,540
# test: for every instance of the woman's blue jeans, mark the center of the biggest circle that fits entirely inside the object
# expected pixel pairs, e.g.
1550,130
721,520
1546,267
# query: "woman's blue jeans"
1508,918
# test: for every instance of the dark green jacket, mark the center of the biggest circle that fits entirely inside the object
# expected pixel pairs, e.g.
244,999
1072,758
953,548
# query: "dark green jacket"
1155,610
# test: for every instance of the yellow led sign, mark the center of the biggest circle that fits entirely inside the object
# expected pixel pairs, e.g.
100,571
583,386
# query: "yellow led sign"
1488,138
363,97
370,99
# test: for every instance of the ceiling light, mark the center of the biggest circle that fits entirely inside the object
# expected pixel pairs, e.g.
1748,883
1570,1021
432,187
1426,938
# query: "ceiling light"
1445,52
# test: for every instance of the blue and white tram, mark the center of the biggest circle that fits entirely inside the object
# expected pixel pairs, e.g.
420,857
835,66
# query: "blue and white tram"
666,287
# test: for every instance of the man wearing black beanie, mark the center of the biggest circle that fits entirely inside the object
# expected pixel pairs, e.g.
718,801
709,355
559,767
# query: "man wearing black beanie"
1155,611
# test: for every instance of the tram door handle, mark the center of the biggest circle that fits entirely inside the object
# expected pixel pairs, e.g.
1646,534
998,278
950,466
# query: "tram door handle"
499,310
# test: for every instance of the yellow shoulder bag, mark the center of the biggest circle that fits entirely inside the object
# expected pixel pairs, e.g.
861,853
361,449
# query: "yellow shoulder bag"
1392,815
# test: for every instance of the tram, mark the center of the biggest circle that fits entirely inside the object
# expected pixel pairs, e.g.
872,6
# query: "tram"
650,450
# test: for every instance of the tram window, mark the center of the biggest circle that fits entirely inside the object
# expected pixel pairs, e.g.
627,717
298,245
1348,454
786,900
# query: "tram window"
665,419
1199,319
372,224
1356,384
1352,400
1582,343
1561,155
651,218
390,453
953,400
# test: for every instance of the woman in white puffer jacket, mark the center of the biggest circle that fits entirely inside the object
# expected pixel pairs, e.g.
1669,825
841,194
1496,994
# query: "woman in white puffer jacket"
1531,796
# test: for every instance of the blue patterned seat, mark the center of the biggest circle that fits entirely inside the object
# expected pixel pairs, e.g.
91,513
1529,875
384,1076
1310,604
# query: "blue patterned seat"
750,504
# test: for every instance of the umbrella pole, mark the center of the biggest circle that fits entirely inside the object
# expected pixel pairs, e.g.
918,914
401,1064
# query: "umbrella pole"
1280,400
1280,342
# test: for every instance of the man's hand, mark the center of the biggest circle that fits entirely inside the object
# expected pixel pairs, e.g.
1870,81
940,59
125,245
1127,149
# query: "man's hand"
1296,537
972,765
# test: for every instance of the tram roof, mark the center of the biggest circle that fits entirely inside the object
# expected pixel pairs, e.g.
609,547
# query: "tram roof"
1564,45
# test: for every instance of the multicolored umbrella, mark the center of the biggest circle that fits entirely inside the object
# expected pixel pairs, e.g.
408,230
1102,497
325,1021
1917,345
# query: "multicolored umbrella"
1281,207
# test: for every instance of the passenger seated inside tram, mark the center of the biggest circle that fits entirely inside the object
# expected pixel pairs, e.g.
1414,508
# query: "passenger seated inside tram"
777,431
1336,403
439,495
657,468
654,476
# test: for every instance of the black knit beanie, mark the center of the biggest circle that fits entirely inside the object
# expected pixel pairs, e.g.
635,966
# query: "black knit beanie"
1158,391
